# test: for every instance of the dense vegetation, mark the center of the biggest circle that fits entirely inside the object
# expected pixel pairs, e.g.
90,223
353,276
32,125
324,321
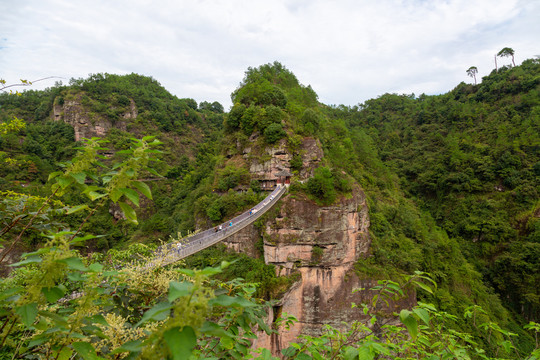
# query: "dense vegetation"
471,159
452,183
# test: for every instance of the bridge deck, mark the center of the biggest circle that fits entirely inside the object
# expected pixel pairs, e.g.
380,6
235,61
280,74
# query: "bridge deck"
170,253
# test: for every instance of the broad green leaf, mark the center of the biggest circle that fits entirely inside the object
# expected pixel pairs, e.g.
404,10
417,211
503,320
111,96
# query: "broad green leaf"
364,353
64,181
507,345
423,286
34,259
53,294
209,271
187,272
380,348
180,343
65,354
410,322
94,177
9,292
288,352
427,306
422,314
143,188
77,335
159,312
79,239
57,319
131,195
227,342
95,267
74,263
53,175
128,212
131,346
154,172
94,195
93,330
76,276
265,355
37,252
350,353
86,350
79,177
28,313
115,195
116,166
38,340
226,300
213,329
148,137
179,289
99,319
77,208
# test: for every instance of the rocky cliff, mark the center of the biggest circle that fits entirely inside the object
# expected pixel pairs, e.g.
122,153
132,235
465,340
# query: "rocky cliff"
319,244
86,123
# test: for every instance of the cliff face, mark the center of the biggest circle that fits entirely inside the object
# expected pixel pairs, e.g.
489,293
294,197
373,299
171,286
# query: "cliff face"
278,158
86,123
321,244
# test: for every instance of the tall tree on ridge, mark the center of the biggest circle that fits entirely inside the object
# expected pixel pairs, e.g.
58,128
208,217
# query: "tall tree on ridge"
472,71
507,52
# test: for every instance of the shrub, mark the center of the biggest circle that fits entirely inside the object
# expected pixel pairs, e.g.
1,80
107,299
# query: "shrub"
274,132
321,185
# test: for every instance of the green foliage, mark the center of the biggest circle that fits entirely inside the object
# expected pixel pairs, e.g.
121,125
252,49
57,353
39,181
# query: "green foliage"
468,159
213,107
230,177
242,267
311,121
273,133
326,184
267,96
13,125
109,323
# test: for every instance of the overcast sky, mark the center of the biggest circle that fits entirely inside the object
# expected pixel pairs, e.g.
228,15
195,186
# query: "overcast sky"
348,51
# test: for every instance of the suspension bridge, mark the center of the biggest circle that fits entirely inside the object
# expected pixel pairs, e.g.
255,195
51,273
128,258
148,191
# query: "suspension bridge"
173,252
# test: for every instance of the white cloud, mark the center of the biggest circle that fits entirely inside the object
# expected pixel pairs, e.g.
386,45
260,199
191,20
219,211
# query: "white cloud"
347,50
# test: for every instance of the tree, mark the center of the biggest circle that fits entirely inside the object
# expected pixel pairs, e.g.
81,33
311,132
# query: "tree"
505,52
472,71
274,132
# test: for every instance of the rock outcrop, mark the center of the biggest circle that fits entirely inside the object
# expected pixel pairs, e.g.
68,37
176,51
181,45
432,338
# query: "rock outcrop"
272,160
321,244
88,124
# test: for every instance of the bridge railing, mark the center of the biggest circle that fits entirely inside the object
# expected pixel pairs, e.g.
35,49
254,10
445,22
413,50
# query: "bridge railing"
169,253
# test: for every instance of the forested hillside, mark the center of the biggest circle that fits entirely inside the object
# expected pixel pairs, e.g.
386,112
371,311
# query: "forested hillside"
184,127
451,182
471,159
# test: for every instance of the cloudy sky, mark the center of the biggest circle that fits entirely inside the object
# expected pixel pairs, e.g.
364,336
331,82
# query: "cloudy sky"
347,50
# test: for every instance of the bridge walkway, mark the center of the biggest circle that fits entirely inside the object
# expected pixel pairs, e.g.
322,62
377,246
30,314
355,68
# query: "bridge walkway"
173,252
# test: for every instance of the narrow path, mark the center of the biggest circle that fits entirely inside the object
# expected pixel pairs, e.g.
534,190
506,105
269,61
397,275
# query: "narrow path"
170,253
